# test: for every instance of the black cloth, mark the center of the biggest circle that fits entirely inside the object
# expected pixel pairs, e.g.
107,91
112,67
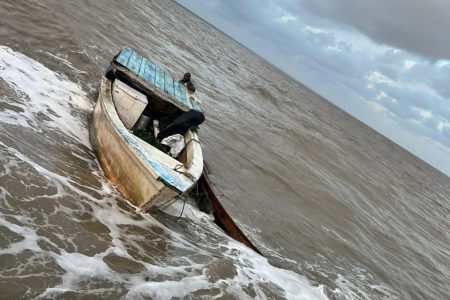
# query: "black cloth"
182,123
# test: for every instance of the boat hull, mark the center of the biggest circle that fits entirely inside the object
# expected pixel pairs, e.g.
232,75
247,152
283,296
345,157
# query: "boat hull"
119,160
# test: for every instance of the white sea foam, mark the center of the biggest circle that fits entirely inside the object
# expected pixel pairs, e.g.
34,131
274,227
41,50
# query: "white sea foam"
40,90
350,289
29,236
253,269
256,269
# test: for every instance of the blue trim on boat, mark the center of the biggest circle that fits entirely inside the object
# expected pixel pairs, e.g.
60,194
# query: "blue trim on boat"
166,175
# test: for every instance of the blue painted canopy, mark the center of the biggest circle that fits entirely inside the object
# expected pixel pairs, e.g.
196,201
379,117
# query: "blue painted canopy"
155,76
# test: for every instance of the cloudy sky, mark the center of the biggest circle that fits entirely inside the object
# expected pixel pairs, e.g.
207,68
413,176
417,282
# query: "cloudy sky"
386,62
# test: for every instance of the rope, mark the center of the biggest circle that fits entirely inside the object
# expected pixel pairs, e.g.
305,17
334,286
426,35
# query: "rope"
172,201
191,142
184,203
178,166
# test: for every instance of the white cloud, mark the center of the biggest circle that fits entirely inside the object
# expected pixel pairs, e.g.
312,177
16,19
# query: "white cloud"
376,77
442,63
426,114
381,95
286,18
378,107
442,125
313,30
408,65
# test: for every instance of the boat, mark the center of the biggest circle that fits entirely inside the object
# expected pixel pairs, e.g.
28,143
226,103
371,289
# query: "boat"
135,92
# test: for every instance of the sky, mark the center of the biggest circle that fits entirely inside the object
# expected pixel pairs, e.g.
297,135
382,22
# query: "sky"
386,62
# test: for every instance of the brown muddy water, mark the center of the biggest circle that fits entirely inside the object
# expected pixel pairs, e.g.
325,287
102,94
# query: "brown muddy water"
339,211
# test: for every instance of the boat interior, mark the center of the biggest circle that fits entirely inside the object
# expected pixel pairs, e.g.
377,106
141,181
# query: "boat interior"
150,113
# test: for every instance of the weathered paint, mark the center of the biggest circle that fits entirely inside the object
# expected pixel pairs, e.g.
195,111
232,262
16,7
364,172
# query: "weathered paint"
143,176
134,63
180,94
159,79
129,103
149,74
168,176
124,56
124,168
155,76
168,85
142,67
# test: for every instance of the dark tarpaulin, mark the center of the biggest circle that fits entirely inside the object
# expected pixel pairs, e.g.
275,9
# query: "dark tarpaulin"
182,123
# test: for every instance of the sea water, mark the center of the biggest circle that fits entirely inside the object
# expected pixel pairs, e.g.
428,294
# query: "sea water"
339,211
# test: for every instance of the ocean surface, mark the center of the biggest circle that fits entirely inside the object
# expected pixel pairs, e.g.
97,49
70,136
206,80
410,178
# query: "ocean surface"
339,211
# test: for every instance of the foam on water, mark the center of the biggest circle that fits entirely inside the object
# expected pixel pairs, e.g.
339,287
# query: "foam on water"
41,91
29,241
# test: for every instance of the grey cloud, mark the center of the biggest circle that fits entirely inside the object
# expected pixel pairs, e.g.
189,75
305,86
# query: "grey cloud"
417,26
382,21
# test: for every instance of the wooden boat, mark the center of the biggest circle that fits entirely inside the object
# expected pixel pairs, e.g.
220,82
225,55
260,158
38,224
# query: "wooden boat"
144,174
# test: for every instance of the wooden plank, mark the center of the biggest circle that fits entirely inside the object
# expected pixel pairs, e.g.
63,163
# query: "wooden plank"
177,92
143,85
149,72
124,56
153,75
168,85
142,67
134,63
159,78
180,94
